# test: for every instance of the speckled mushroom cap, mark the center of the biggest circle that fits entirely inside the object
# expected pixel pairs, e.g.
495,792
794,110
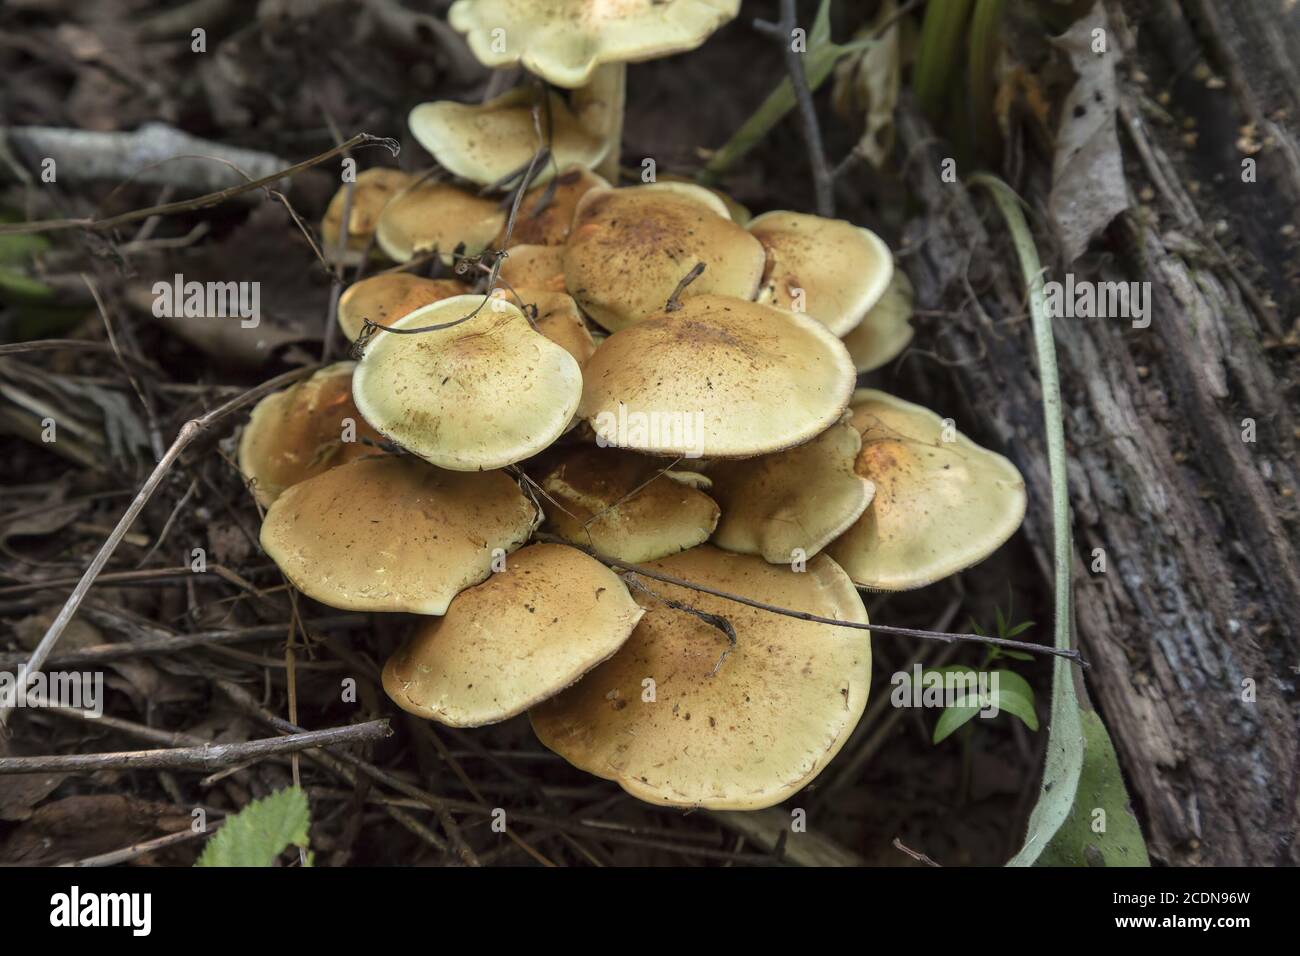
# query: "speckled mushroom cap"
630,248
486,142
740,735
534,267
300,432
795,500
370,193
431,215
719,378
560,321
563,41
394,533
886,330
386,297
546,213
940,506
482,394
842,269
624,506
521,636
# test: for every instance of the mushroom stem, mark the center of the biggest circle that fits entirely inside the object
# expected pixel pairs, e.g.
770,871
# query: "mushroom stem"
599,106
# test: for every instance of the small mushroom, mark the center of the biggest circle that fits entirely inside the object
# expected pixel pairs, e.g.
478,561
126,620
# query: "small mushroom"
942,502
718,378
386,297
678,717
483,393
546,213
831,269
432,215
394,534
560,321
487,142
370,193
792,503
624,505
520,637
303,431
631,248
886,330
534,267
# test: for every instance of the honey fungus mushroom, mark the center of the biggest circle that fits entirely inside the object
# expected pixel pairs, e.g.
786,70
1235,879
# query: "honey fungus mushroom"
942,502
370,194
480,393
393,533
736,732
719,378
831,269
431,215
386,297
886,330
625,506
793,503
630,248
303,431
488,142
533,267
557,317
523,635
546,212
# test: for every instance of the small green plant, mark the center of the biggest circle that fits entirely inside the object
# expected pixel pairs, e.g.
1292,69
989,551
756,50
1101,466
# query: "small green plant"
259,833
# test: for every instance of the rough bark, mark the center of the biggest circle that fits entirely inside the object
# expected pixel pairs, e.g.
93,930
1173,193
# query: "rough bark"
1201,590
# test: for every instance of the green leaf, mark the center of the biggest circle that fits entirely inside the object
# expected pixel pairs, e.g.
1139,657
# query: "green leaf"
1015,655
951,720
259,833
1020,629
1101,787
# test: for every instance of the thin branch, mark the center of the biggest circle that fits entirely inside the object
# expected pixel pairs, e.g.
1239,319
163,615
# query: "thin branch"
674,301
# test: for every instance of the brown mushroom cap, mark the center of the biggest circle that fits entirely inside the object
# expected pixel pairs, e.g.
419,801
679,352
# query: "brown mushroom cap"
623,506
630,248
563,41
738,735
842,269
560,321
534,267
481,394
298,433
394,534
546,213
486,142
886,330
940,506
520,637
370,193
800,499
430,215
719,378
386,297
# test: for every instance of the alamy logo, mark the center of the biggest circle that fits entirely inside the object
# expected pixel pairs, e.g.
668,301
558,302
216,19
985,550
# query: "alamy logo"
681,431
82,690
946,688
74,908
179,299
1099,300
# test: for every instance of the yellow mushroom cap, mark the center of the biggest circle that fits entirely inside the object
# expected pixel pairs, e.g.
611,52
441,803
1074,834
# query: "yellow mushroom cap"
841,269
520,637
630,248
738,212
940,506
431,215
534,267
800,499
740,735
546,213
394,534
560,321
370,193
623,506
886,330
482,394
388,296
303,431
486,142
719,378
563,41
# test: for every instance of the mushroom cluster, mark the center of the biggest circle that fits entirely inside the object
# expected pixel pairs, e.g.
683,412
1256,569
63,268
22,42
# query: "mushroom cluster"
605,470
